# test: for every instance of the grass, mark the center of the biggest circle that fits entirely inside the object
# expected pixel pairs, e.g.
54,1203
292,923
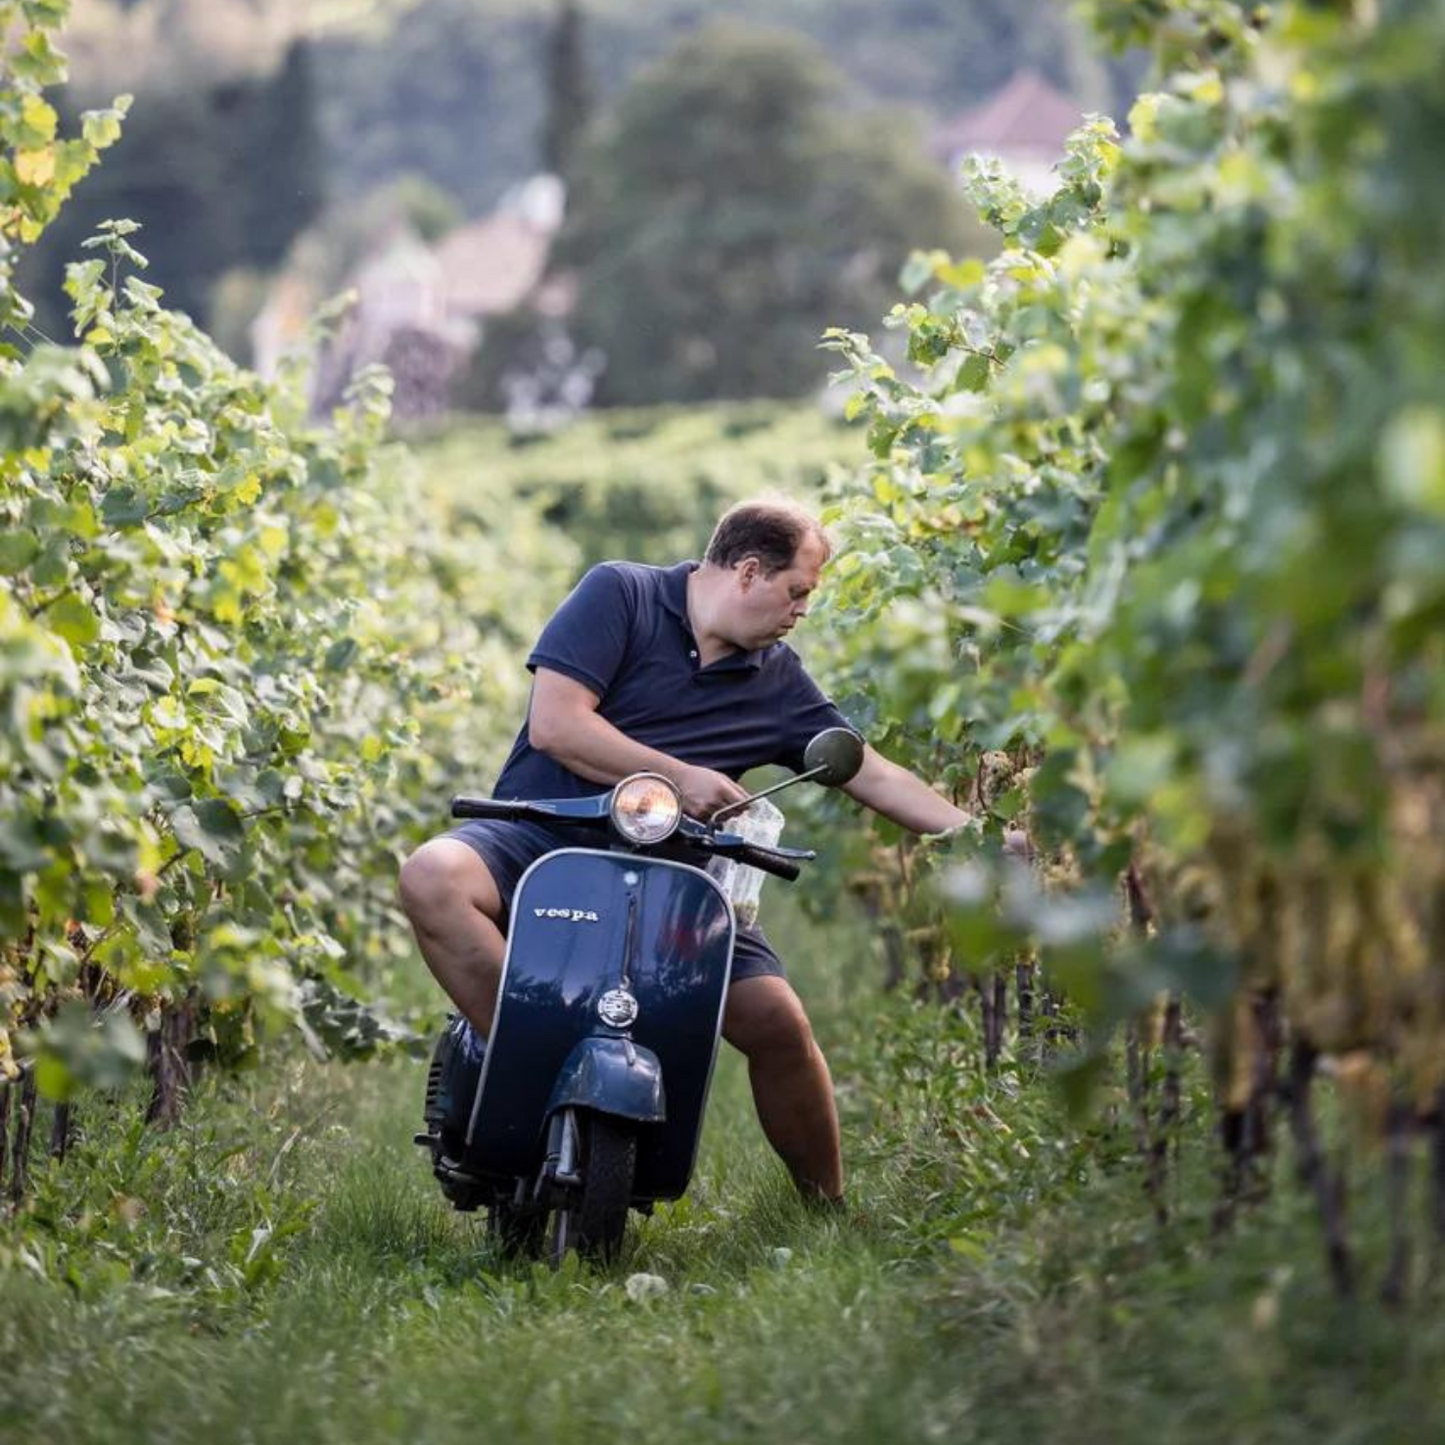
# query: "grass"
281,1269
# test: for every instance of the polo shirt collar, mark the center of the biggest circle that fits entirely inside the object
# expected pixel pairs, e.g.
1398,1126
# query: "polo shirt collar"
674,599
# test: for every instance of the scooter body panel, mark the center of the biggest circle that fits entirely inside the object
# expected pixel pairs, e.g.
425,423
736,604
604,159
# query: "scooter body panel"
612,1076
586,923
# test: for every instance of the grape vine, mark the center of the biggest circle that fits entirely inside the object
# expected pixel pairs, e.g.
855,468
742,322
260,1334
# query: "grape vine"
1164,522
239,665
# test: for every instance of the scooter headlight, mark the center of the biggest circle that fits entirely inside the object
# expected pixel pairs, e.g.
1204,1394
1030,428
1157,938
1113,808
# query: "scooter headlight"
646,808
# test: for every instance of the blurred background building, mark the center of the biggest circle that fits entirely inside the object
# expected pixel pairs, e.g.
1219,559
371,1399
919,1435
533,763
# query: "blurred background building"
545,204
1024,124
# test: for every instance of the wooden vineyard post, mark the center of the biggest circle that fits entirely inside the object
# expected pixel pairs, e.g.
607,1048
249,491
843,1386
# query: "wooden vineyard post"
1397,1183
1437,1167
62,1124
1024,984
1314,1169
1246,1128
4,1130
1169,1107
1136,1064
168,1066
20,1144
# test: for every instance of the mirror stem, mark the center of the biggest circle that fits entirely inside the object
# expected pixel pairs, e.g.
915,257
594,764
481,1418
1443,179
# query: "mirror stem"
776,788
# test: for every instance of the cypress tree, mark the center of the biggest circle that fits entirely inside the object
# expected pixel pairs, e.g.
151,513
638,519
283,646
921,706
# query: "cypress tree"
569,95
277,168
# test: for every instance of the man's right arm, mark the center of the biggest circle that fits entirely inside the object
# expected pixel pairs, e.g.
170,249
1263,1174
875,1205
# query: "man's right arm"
564,723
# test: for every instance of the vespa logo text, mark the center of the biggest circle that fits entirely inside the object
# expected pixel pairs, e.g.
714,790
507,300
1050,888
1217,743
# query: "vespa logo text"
571,915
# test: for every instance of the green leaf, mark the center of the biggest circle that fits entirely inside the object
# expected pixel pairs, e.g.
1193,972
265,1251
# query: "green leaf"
973,375
78,1048
1412,457
123,507
340,654
101,128
22,848
17,550
74,620
1078,1077
213,828
1140,766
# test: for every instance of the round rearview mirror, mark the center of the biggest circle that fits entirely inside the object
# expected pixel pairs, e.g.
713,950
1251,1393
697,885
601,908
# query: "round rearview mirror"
833,756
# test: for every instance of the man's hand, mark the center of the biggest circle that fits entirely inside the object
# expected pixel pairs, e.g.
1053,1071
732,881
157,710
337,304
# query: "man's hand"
967,838
704,791
564,723
959,841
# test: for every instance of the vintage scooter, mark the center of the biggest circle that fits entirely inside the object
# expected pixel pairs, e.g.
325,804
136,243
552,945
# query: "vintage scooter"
588,1098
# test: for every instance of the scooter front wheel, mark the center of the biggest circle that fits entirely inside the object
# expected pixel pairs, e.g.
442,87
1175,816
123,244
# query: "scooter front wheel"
593,1222
518,1232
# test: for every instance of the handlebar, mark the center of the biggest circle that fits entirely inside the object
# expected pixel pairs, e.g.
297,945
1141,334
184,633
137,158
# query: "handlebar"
780,862
465,807
780,865
551,810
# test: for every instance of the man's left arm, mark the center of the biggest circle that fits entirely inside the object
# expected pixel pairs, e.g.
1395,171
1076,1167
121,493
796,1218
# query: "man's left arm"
901,796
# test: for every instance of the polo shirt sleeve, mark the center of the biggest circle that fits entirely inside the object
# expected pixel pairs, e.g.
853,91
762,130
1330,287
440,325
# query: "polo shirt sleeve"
586,638
807,711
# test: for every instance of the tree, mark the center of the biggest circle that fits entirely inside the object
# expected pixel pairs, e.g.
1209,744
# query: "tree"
569,92
285,150
453,91
219,175
733,206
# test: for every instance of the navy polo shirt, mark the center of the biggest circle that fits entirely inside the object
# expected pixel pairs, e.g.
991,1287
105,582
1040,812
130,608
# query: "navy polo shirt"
623,633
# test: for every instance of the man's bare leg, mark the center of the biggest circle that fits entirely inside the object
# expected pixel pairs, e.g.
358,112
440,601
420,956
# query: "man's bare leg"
792,1089
453,904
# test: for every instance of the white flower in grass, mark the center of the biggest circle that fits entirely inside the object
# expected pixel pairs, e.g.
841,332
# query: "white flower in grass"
641,1287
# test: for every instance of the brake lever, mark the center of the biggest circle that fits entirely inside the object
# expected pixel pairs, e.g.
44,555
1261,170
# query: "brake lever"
715,840
735,842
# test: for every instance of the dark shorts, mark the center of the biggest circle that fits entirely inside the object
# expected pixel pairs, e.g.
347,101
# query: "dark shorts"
509,849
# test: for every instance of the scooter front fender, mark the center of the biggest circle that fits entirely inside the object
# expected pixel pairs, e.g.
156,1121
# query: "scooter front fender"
584,923
612,1076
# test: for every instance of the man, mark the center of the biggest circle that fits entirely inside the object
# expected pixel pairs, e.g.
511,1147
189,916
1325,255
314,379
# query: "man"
682,671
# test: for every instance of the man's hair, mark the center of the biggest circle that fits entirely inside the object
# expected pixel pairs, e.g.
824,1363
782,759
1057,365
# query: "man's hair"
768,528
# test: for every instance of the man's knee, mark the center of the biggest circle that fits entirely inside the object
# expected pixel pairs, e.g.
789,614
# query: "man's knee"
442,873
765,1018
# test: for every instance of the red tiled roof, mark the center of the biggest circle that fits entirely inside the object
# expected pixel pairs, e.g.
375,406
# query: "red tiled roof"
1027,115
491,265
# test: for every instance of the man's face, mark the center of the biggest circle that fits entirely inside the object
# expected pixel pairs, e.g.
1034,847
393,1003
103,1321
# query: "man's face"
764,608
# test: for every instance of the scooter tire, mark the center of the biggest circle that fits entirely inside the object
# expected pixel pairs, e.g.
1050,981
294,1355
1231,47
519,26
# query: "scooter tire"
595,1223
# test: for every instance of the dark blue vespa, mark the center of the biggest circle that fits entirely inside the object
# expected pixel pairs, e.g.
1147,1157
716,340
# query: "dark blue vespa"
588,1099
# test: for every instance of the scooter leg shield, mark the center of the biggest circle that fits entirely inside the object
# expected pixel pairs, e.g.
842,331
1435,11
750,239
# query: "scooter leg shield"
452,1083
612,1076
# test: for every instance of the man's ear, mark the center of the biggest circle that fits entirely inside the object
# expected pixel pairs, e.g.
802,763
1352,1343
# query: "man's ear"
749,570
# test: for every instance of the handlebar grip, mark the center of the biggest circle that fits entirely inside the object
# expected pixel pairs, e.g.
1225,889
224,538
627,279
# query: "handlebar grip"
768,862
465,807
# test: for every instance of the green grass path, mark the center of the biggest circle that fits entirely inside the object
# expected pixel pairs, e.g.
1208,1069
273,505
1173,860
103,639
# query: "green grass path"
282,1270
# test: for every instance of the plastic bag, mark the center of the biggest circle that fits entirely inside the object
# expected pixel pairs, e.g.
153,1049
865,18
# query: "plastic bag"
761,823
